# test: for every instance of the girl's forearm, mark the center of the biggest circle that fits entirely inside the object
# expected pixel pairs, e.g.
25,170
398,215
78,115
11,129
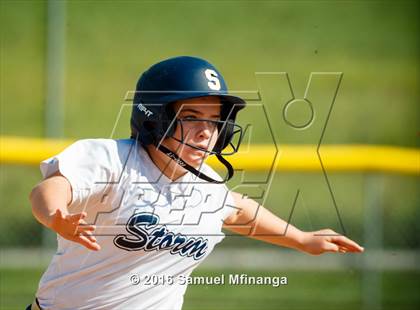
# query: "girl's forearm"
257,222
48,196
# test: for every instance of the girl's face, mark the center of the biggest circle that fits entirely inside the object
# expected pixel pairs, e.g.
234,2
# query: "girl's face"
202,134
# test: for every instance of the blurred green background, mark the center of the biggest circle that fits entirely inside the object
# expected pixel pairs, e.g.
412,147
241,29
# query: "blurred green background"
109,44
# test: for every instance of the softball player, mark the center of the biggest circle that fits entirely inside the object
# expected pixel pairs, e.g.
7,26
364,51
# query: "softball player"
132,215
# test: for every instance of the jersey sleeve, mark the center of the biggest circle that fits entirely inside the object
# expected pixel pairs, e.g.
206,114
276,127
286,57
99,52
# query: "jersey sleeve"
229,204
87,165
227,201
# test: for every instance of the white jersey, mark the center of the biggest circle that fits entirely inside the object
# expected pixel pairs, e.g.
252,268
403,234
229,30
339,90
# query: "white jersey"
153,232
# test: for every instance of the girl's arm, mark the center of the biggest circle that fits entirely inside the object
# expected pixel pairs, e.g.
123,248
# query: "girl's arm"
256,222
50,199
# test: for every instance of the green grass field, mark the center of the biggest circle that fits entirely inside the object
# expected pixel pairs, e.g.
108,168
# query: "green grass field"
109,43
305,291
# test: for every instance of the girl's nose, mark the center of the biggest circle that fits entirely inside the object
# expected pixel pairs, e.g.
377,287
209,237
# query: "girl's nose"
206,130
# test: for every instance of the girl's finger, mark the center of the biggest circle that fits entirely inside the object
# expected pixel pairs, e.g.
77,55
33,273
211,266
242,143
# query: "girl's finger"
342,249
331,247
91,245
346,242
82,228
88,235
73,218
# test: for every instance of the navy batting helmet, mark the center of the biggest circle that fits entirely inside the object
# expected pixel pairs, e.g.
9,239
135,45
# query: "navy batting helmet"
175,79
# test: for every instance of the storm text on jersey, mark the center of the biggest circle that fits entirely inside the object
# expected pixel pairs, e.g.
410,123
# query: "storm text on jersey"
146,234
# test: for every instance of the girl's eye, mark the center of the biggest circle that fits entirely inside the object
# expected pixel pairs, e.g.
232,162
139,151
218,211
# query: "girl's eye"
189,117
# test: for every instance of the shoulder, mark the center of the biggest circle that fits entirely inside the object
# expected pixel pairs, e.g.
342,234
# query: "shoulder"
106,153
102,147
224,199
101,144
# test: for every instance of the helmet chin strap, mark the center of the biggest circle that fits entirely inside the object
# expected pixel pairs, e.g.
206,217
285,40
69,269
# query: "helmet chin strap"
183,164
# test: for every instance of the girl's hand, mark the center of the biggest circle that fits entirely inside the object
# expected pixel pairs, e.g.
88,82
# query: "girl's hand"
72,227
327,240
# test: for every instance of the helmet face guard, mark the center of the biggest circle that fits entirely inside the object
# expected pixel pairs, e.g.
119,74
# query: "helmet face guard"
229,136
153,118
152,122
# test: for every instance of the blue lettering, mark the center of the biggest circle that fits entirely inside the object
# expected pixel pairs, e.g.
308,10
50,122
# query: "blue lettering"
142,237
